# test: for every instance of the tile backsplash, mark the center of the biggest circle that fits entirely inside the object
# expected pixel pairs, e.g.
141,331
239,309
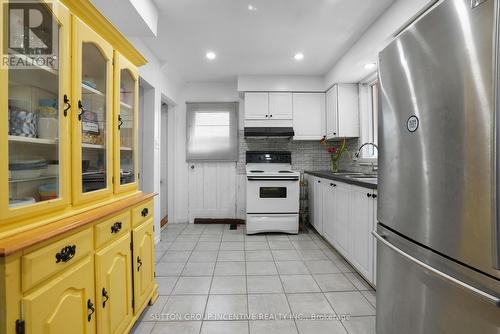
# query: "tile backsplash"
306,155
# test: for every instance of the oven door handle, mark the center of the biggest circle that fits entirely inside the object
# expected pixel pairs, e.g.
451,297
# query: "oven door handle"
272,179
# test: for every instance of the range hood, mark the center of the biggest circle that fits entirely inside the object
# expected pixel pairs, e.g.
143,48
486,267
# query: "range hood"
269,132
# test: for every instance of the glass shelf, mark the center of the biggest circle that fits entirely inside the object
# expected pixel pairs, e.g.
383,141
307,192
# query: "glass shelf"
94,118
34,125
127,127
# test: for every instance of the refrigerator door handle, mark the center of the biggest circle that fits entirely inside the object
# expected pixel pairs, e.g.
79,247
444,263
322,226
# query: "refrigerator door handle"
466,286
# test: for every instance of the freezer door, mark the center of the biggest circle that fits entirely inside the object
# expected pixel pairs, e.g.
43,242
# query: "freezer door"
436,132
419,292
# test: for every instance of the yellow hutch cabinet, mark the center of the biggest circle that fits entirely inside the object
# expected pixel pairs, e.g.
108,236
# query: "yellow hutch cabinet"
76,234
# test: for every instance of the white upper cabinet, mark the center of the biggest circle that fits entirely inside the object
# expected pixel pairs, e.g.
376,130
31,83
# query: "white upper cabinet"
342,114
309,116
331,112
256,106
280,105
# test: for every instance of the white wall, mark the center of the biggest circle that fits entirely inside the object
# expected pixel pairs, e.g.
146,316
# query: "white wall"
165,86
350,67
192,92
283,83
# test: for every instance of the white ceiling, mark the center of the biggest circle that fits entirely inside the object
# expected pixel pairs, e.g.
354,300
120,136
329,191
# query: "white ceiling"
260,42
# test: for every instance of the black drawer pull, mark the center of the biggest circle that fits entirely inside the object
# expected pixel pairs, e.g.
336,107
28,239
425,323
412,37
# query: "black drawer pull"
369,195
116,227
145,212
139,263
106,297
91,308
374,196
66,254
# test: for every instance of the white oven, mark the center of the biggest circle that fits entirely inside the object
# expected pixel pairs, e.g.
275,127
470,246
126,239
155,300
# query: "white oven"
271,194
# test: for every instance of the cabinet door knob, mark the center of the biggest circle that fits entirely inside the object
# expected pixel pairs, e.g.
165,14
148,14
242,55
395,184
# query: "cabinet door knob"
80,106
106,297
267,116
90,307
120,122
67,105
145,212
374,196
369,195
139,263
270,115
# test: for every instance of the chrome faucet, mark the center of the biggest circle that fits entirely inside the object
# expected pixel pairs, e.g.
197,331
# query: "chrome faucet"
356,155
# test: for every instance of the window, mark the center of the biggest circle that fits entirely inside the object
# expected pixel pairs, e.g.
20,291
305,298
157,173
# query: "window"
212,131
369,107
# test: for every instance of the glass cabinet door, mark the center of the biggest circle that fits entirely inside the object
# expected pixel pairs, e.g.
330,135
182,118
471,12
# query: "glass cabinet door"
126,116
35,97
92,131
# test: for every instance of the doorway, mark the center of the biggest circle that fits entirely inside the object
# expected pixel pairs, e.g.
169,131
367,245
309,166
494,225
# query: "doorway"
164,165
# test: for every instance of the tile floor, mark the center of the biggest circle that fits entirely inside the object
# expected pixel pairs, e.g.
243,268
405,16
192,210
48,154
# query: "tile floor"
213,280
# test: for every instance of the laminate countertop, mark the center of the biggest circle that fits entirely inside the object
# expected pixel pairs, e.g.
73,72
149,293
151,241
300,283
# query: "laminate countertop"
340,177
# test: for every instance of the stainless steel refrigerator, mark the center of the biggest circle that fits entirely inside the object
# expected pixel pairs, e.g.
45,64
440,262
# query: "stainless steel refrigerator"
439,173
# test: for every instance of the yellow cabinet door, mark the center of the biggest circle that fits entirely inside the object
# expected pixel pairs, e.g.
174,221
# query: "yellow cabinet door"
92,144
114,287
126,104
143,263
35,104
65,304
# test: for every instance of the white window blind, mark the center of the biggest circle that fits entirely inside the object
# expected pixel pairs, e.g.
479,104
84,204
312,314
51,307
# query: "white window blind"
212,131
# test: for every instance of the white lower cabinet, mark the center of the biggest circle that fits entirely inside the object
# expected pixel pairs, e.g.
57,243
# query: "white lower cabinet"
361,218
318,204
345,215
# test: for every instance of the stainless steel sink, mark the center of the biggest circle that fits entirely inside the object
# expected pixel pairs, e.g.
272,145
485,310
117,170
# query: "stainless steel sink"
366,179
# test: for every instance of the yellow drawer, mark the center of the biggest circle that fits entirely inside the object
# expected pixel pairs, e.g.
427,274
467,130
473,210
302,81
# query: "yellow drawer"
142,212
39,265
111,228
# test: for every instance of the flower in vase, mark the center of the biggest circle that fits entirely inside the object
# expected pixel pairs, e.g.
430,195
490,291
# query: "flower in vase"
332,150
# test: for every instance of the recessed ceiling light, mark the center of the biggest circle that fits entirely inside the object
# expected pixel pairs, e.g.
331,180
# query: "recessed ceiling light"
370,66
252,8
211,55
299,56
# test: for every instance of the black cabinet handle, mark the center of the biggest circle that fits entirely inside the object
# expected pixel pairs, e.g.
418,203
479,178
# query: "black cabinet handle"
66,254
139,263
120,122
67,105
319,181
145,212
333,184
369,195
106,297
116,227
91,308
267,116
270,115
374,196
80,106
